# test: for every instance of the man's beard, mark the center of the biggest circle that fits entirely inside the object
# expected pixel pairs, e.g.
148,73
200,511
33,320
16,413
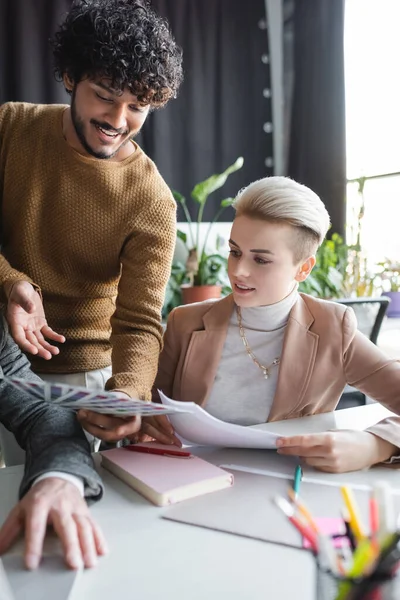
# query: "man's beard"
80,132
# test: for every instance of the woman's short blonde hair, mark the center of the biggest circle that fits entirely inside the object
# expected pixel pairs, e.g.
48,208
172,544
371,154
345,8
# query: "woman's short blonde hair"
283,200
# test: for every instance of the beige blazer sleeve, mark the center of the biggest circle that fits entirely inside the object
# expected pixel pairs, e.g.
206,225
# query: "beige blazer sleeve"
368,369
168,360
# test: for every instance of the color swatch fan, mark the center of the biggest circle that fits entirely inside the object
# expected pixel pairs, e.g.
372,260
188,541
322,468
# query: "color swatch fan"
98,401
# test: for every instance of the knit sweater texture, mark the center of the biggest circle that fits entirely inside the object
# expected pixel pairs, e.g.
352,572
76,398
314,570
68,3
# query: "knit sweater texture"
96,236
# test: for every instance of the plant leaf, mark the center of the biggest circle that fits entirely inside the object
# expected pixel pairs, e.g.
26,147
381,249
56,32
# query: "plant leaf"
202,190
179,197
227,202
181,235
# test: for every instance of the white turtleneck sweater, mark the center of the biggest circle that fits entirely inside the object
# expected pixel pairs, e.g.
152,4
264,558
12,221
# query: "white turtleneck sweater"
240,393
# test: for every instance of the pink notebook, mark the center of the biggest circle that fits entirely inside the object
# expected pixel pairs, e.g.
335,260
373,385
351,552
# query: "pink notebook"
164,479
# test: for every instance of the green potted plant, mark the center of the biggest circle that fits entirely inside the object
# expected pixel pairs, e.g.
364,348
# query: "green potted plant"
389,275
204,274
327,277
340,272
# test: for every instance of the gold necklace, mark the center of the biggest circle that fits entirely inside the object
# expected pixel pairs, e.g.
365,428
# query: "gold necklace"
264,369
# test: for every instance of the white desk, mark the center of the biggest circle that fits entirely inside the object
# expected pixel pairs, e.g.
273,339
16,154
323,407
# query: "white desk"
152,558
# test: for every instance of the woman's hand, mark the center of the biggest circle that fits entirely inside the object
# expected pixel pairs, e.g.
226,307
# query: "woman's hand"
338,451
158,429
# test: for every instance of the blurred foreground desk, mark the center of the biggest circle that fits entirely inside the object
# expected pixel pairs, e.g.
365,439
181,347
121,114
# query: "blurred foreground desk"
153,559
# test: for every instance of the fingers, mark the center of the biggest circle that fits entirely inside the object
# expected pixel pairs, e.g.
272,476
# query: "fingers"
302,451
158,435
87,541
33,340
164,424
108,428
27,320
321,451
160,429
59,503
52,335
45,344
141,437
304,441
44,349
66,527
10,530
99,539
35,530
318,445
19,335
81,538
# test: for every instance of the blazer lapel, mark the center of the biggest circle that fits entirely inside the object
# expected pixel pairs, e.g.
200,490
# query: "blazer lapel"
204,352
297,362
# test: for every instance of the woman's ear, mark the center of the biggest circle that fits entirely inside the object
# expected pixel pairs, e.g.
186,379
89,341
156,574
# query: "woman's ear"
305,269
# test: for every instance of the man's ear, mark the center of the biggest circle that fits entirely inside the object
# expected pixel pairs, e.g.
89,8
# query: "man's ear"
68,83
305,269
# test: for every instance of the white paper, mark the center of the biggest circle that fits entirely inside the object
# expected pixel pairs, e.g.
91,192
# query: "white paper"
196,426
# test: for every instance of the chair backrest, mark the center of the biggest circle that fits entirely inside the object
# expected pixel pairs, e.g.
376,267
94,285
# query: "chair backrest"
369,313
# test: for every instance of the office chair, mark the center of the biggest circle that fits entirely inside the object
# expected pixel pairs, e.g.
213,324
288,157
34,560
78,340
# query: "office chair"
370,313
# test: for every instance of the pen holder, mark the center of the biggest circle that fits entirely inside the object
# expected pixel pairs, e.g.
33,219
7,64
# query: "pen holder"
374,587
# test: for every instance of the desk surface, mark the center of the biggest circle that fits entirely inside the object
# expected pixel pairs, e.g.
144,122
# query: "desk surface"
153,558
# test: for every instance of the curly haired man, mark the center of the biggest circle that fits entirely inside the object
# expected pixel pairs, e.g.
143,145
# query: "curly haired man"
88,224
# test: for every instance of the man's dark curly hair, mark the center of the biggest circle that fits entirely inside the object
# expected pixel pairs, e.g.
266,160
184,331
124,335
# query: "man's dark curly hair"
123,40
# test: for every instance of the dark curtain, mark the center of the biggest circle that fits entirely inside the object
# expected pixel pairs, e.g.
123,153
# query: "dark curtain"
25,58
317,143
223,110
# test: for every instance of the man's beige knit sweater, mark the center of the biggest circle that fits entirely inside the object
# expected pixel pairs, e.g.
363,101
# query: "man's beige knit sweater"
97,237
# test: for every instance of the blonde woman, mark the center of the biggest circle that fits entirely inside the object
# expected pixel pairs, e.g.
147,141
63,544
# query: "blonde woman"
267,352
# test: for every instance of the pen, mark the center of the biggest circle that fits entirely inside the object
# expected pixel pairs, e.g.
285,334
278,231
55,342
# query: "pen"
355,522
328,557
374,520
383,497
306,532
303,510
159,451
349,533
346,552
389,556
298,475
362,559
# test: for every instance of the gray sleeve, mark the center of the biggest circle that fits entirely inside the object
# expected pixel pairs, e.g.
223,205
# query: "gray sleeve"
51,435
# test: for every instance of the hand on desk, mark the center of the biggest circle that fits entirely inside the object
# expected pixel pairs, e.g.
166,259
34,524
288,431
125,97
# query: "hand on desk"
338,451
58,503
27,321
108,428
159,429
